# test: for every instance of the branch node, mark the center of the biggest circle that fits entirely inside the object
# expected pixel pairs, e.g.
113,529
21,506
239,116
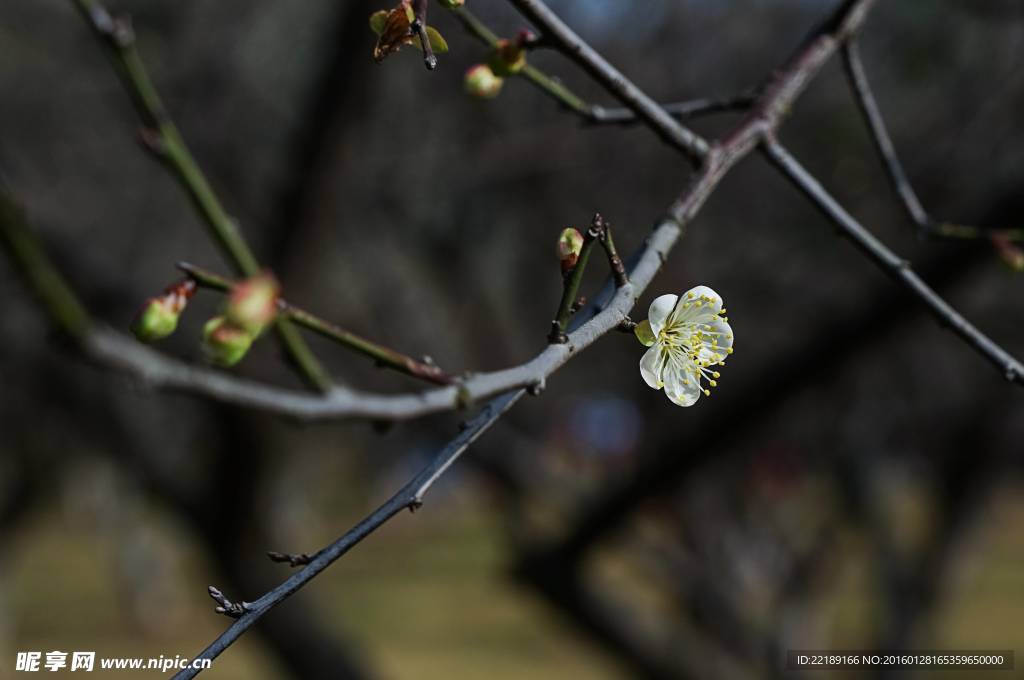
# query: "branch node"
557,336
119,30
419,28
537,388
225,606
152,141
293,560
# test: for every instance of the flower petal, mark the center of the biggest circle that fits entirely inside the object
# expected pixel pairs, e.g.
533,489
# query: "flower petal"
696,304
681,384
652,364
718,341
660,310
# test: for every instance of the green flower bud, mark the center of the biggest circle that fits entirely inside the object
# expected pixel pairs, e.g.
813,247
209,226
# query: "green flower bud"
224,343
155,321
253,303
507,58
570,244
452,4
159,317
481,82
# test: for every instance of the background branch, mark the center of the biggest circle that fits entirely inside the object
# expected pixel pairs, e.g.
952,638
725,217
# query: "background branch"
894,266
926,224
163,138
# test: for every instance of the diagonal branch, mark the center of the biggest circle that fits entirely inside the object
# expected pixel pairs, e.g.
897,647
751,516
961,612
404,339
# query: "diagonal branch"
409,496
894,265
868,105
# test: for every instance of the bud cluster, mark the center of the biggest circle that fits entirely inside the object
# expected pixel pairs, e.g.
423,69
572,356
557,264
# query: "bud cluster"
507,58
252,305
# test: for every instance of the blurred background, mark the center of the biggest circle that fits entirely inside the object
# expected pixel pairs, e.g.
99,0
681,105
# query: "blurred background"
853,483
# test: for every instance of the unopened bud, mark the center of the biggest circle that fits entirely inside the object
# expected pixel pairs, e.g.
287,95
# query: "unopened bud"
507,58
452,4
225,344
159,317
570,244
1009,252
253,303
481,82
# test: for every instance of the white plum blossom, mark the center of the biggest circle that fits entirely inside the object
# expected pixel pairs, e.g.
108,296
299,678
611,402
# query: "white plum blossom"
687,334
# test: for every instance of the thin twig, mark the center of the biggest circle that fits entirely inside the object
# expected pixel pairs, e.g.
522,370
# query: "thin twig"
293,560
927,225
895,266
384,356
558,33
419,28
592,113
162,137
686,110
570,291
604,237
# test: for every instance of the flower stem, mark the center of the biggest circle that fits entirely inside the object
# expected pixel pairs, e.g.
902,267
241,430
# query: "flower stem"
570,289
162,137
384,356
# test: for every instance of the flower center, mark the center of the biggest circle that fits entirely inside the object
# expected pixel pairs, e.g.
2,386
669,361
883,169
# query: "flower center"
686,340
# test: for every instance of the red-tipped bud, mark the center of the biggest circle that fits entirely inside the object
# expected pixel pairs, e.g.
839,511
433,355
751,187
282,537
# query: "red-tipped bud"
526,37
253,303
507,58
570,244
224,343
481,82
1009,252
159,317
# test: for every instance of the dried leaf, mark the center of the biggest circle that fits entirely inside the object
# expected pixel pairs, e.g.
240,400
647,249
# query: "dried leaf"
395,32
